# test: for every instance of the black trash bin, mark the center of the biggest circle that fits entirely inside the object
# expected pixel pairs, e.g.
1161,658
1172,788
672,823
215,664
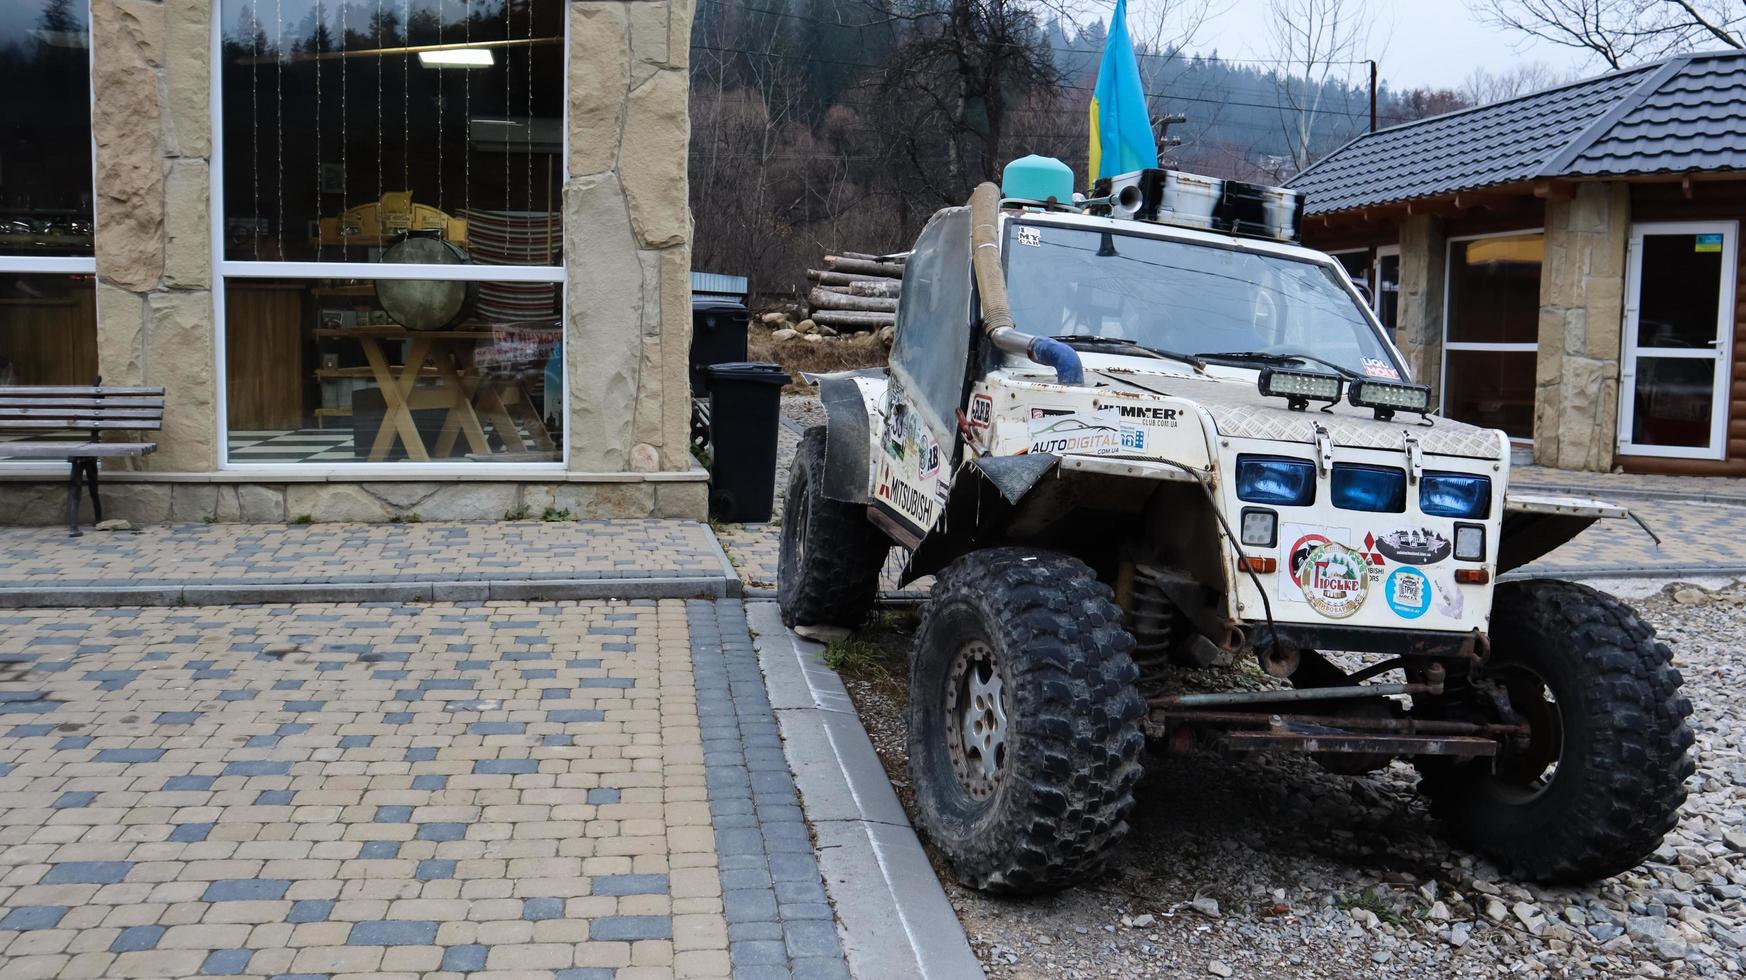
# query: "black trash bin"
745,406
718,336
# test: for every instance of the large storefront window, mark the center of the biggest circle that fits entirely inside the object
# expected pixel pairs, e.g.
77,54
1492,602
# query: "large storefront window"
368,134
1492,330
48,315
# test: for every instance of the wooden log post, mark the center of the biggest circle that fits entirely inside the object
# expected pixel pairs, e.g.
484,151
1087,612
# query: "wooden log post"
854,319
822,300
889,288
891,270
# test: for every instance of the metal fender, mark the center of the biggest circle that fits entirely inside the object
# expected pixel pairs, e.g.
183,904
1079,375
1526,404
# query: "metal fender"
848,435
1534,524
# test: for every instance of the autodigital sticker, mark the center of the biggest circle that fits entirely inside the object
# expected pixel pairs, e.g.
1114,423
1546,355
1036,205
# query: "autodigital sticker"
1073,433
1412,546
1408,592
1335,580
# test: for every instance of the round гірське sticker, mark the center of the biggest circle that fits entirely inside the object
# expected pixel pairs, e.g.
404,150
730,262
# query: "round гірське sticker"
1335,580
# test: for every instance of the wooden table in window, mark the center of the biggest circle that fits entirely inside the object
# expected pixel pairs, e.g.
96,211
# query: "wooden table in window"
444,360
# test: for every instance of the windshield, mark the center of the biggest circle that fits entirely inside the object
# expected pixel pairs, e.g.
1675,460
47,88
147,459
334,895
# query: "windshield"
1187,297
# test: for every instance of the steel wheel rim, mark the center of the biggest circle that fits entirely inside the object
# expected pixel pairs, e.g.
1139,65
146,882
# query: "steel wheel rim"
977,703
1527,773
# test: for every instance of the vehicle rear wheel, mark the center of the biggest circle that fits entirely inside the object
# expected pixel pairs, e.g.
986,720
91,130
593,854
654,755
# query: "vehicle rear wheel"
1601,776
830,556
1024,721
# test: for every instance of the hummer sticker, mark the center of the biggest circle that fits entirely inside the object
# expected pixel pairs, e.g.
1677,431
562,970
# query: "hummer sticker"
1335,580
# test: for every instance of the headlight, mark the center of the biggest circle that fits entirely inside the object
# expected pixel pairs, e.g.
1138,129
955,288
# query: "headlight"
1356,486
1278,480
1388,397
1260,528
1470,542
1455,495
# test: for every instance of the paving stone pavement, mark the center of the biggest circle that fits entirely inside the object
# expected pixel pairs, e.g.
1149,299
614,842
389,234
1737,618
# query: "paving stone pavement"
461,557
488,789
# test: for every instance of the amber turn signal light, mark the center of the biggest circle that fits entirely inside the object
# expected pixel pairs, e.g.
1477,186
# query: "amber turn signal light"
1472,576
1260,566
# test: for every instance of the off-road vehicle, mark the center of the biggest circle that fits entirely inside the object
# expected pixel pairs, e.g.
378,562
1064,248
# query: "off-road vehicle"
1142,429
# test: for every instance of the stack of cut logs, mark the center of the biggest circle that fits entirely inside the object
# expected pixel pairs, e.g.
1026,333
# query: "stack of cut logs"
855,292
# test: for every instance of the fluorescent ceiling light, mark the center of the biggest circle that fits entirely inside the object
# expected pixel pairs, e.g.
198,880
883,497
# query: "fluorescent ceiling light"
457,58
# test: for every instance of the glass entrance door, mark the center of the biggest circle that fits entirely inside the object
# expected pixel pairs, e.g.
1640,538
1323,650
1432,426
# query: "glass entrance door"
1679,306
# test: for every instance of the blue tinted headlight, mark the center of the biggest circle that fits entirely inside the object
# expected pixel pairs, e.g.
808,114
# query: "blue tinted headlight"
1356,486
1455,495
1276,480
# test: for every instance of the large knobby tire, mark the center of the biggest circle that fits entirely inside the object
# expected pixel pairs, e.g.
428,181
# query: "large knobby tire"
828,568
1602,698
1024,721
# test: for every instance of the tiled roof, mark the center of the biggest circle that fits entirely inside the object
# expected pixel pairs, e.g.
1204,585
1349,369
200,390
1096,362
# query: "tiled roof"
1683,114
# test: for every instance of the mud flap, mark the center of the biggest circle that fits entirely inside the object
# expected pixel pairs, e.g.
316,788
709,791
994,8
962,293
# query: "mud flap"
1014,476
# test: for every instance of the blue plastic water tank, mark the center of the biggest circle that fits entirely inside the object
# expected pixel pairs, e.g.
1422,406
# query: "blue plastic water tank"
1037,178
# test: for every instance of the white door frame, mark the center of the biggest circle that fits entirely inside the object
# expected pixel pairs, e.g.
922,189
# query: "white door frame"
1382,252
1722,354
1472,345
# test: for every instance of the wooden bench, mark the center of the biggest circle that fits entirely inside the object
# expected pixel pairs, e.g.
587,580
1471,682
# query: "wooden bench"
97,409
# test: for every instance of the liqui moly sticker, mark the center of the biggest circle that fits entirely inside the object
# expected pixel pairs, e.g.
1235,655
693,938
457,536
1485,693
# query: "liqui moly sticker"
1335,580
1376,367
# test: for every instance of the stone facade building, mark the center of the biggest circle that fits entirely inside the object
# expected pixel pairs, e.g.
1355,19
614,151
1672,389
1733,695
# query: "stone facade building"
1563,265
386,257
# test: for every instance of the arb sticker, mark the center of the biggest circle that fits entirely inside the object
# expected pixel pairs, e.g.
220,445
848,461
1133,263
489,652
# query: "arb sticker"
1413,546
1408,593
1335,580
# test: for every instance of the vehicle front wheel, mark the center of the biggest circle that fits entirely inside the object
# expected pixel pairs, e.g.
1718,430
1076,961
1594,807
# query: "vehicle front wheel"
1024,721
1601,776
828,566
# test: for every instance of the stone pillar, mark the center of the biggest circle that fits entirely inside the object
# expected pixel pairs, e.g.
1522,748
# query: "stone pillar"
1419,327
1582,308
627,225
152,126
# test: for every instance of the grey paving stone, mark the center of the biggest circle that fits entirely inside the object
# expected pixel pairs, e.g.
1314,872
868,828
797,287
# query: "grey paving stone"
631,927
393,933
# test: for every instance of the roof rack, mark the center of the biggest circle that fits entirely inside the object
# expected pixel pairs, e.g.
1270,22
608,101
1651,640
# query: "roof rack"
1174,197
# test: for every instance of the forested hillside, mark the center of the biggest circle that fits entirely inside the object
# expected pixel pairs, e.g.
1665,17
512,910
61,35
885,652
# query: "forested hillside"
843,124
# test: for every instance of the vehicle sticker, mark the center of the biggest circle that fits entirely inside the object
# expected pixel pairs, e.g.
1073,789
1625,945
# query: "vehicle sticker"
1408,592
913,503
1030,236
981,411
1449,601
1150,415
1376,367
1335,580
1412,546
1073,433
1303,538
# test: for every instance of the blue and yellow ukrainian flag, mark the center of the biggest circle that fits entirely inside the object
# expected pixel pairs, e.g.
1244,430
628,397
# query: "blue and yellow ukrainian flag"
1121,130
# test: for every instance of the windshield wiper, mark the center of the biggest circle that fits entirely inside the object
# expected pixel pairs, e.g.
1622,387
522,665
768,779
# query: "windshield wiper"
1258,357
1090,340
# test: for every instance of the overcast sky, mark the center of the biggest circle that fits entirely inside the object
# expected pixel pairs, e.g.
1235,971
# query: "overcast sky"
1427,42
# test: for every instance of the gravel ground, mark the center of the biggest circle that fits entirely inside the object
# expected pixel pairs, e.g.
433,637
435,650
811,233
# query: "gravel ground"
1261,868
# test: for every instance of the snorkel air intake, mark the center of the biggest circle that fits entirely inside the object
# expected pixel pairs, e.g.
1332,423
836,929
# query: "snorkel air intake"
991,282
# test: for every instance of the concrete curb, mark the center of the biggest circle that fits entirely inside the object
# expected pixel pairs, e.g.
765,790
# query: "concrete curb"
202,594
729,573
1577,573
896,920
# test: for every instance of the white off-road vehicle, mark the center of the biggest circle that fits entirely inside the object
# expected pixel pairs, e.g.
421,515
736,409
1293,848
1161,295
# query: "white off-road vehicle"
1146,430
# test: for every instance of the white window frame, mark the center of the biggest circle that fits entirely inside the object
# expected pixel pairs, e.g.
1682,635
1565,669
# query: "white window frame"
225,268
1723,354
1382,252
62,264
1448,299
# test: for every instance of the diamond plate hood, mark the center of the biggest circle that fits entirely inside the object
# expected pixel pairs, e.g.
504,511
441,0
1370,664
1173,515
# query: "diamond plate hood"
1241,412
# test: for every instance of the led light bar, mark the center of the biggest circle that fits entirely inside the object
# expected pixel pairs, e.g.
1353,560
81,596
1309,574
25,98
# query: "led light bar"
1299,388
1388,397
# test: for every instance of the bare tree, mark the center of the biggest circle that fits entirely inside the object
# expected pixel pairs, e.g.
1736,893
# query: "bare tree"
1622,32
1315,43
1481,86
